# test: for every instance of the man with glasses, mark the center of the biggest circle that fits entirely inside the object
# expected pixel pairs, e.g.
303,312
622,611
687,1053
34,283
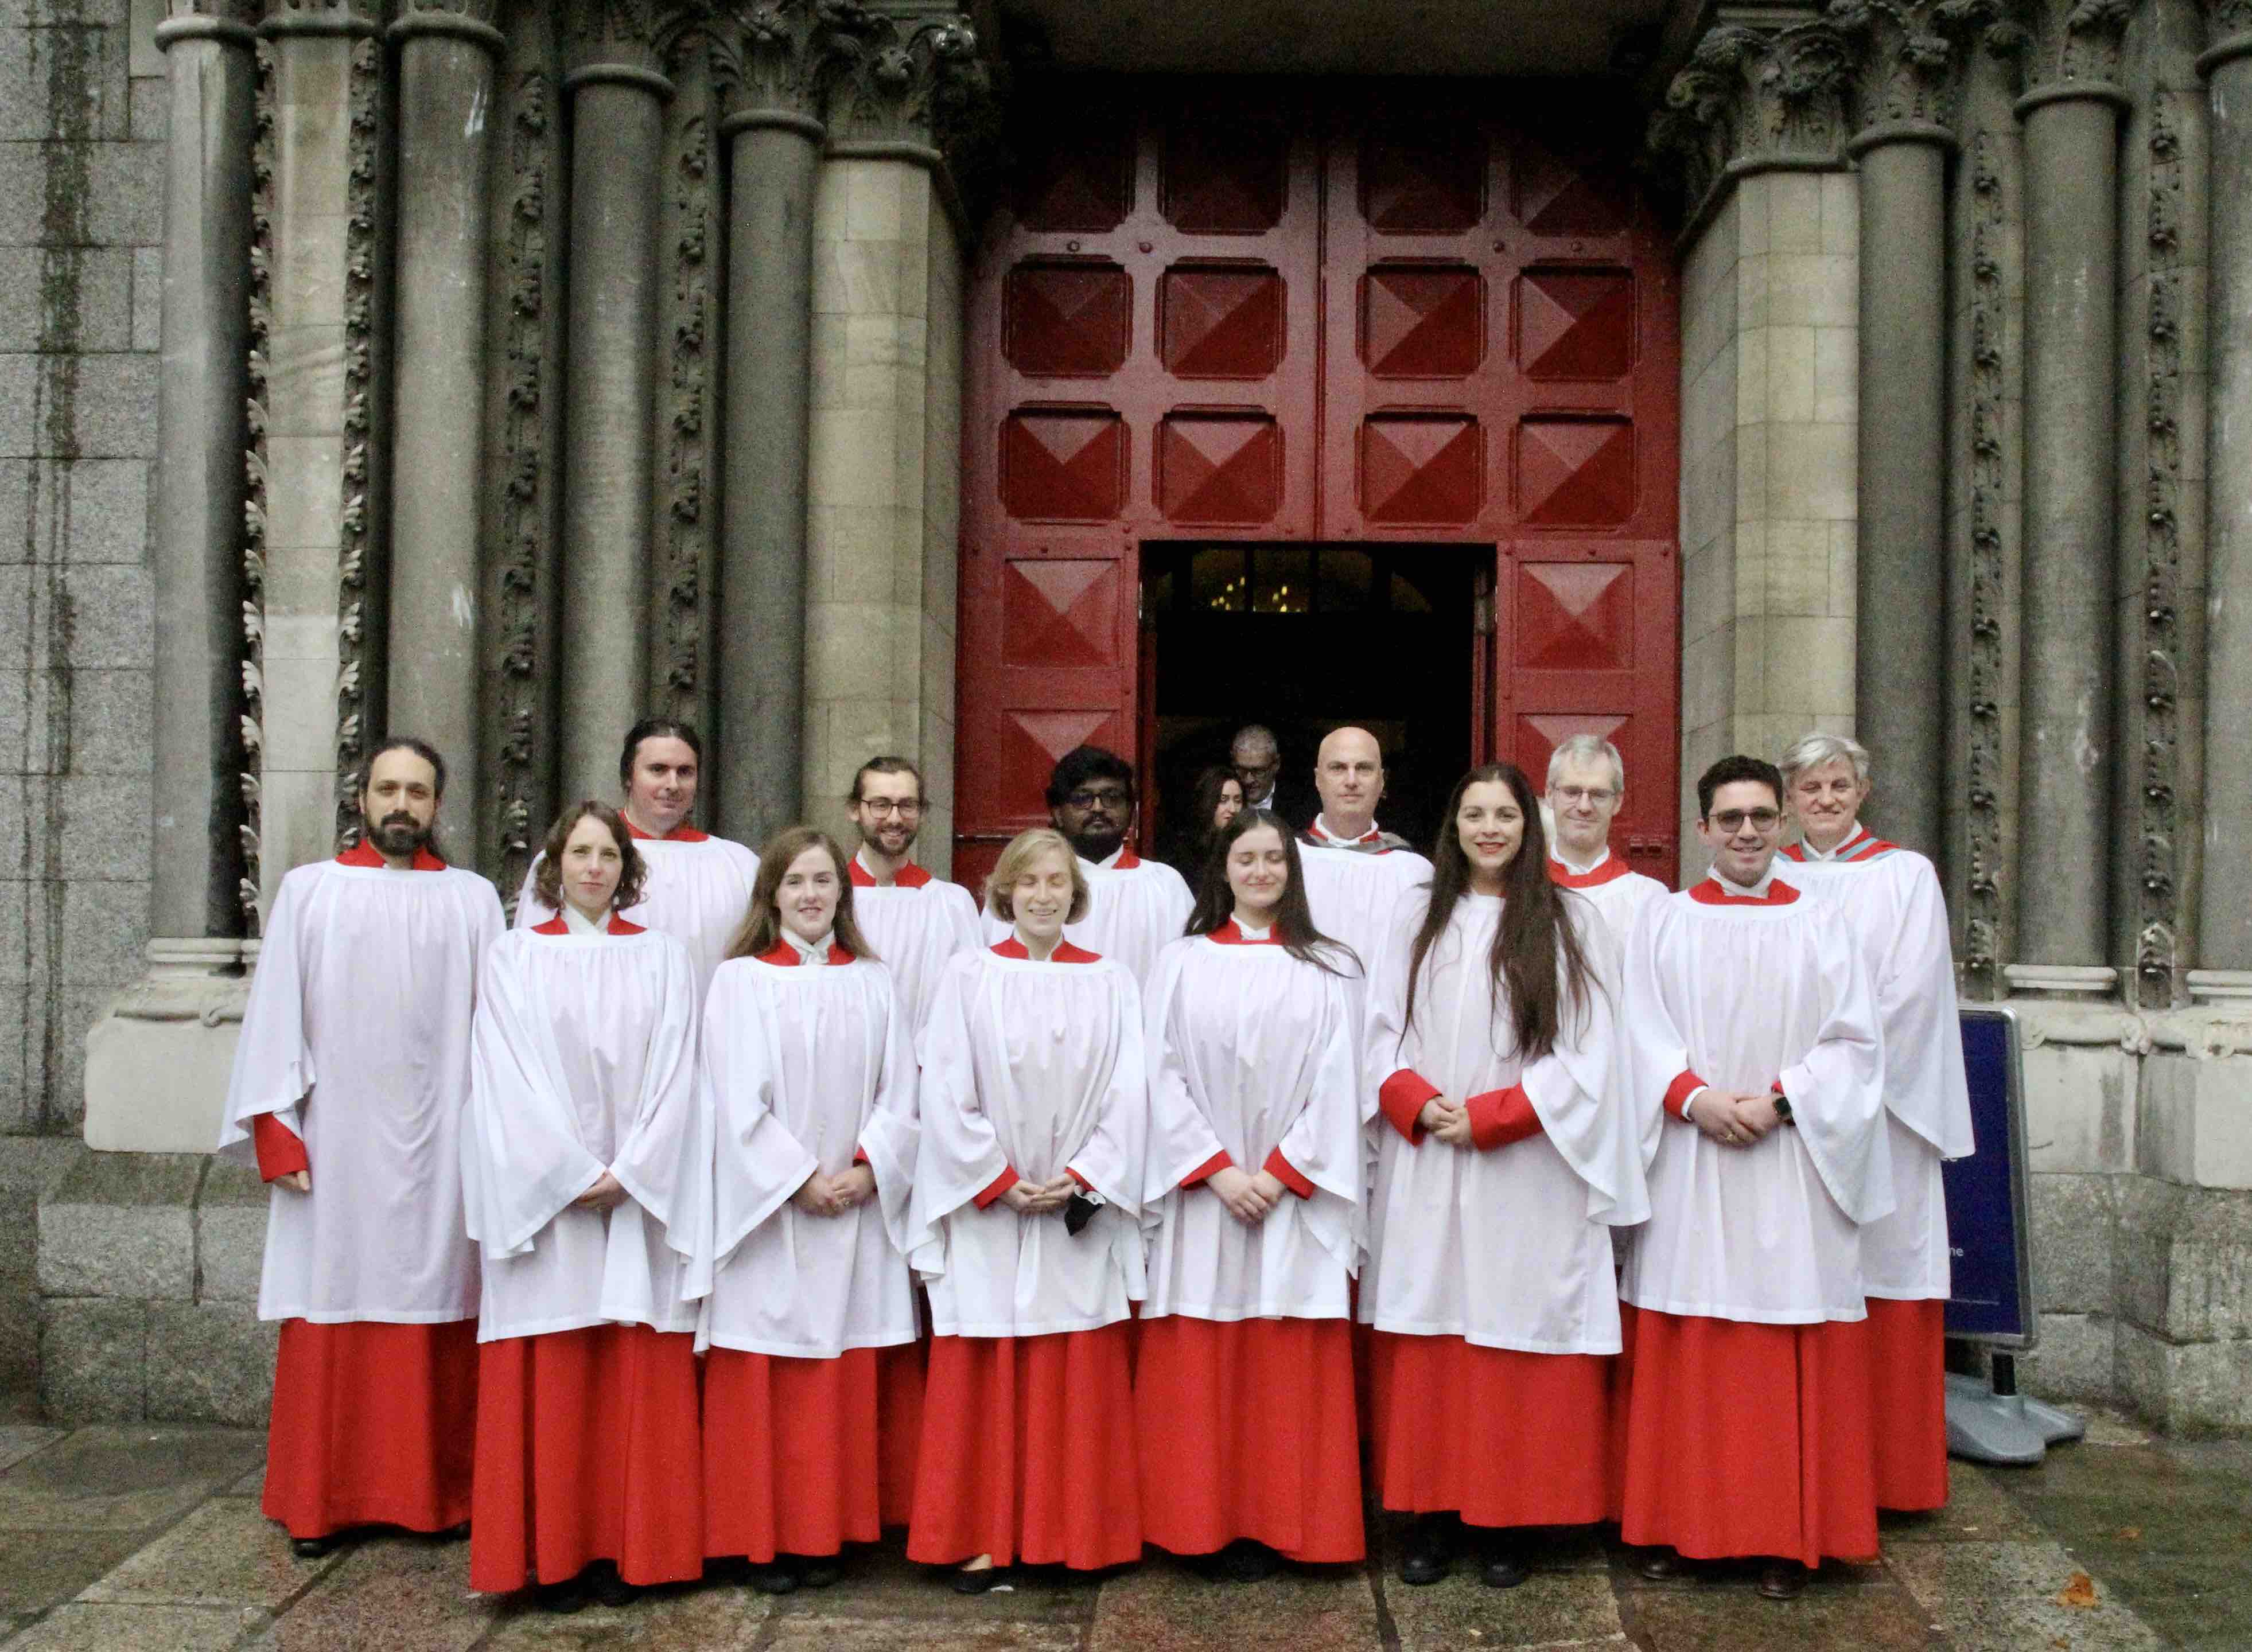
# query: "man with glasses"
913,920
1751,1041
1136,906
1587,783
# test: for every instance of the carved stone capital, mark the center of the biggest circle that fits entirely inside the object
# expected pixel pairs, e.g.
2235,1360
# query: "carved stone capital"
232,22
1751,99
357,17
2229,28
1907,55
455,19
769,58
2067,47
627,36
890,80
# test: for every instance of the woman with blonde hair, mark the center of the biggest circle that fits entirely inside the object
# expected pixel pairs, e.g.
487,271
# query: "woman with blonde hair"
813,1385
1025,1226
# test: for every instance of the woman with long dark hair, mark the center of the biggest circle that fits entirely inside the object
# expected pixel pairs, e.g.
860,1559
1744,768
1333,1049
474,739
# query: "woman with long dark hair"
1218,800
1508,1154
1244,1388
813,1383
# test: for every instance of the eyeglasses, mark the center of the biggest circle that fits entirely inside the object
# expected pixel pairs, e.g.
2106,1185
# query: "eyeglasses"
1586,793
1089,800
905,809
1763,820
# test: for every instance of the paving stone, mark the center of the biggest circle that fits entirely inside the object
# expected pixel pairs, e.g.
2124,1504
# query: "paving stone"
1549,1608
391,1591
41,1569
136,1629
211,1363
881,1635
881,1582
2003,1597
225,1553
1735,1619
20,1440
253,1484
1977,1511
122,1479
1162,1603
724,1618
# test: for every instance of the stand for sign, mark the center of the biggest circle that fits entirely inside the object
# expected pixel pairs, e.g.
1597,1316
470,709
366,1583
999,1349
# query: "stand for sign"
1987,1208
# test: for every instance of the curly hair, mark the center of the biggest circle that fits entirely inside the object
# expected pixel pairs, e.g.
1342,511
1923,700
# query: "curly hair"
633,871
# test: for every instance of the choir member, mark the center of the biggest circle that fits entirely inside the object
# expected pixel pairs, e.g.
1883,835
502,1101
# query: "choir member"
1508,1151
1254,1170
1750,1018
914,922
698,887
1349,775
585,1166
1024,1223
1134,906
1587,783
348,1090
813,1386
1256,757
1891,896
1356,874
1219,799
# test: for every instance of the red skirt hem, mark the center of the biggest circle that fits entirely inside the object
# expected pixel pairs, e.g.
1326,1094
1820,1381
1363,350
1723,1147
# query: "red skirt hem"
588,1449
1750,1440
366,1428
1248,1429
802,1456
1907,1389
1501,1437
1027,1451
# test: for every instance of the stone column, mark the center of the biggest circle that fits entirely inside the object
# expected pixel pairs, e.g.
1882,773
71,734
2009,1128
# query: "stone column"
875,526
774,129
1900,569
2224,921
617,135
172,1035
2071,116
445,56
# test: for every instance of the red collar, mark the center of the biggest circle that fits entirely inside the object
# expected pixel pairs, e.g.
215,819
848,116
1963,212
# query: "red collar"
1864,845
1127,861
911,875
787,956
364,853
1321,834
1065,952
1711,892
556,925
1563,877
1230,934
677,835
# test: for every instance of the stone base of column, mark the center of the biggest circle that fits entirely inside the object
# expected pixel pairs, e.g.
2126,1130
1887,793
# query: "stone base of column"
2070,984
157,1065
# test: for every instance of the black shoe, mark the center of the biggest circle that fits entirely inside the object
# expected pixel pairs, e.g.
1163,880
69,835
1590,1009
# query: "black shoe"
814,1571
455,1534
1783,1580
312,1548
1246,1561
608,1586
1505,1566
568,1596
1658,1565
984,1580
1424,1554
772,1579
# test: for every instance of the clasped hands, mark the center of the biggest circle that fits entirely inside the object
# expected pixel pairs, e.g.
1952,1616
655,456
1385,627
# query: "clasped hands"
1250,1198
1733,1119
820,1195
1039,1198
1448,1120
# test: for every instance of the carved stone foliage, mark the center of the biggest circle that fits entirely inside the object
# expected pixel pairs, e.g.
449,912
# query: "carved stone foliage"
1750,95
242,12
1990,517
363,99
770,56
474,11
2157,920
1908,51
255,501
2068,40
2229,17
915,79
686,546
632,32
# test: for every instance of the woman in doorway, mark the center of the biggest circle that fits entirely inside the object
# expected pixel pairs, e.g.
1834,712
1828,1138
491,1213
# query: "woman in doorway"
1025,1224
1244,1389
1507,1154
813,1386
583,1165
1218,799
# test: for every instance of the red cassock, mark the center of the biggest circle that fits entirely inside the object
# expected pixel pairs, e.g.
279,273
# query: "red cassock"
354,1065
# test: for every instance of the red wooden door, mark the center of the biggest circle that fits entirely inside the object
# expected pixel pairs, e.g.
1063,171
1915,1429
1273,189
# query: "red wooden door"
1317,310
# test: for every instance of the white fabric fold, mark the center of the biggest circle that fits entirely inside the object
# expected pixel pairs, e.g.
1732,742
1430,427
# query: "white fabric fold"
698,891
914,931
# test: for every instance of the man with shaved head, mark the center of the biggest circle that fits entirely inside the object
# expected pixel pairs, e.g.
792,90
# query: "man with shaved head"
1349,773
1356,872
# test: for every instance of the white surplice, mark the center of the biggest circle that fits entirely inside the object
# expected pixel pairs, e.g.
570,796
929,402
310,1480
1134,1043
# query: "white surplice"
915,929
699,892
1892,897
1356,896
1136,909
1508,1247
1036,1068
357,1038
1742,994
585,1061
1252,1052
1617,895
803,1066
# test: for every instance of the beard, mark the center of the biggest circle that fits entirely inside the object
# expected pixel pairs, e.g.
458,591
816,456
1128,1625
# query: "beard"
1101,845
398,833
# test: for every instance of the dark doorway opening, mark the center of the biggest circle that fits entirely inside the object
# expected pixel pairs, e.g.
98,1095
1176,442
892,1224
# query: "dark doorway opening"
1304,638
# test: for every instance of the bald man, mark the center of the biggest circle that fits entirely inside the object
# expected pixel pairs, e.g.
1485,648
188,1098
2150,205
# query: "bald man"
1349,773
1356,873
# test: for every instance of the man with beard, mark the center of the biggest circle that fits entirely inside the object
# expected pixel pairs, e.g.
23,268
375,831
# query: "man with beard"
699,886
914,921
1357,875
1587,783
1136,906
349,1087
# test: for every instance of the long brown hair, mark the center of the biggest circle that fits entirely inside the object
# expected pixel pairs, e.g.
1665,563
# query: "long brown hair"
762,930
633,869
1533,928
1293,919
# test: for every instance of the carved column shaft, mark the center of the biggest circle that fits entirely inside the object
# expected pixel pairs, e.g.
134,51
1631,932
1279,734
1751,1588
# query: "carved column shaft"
446,93
617,135
197,759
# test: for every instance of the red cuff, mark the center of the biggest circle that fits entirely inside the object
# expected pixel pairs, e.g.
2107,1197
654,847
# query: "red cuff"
996,1187
1212,1166
1077,1177
1500,1117
1680,1090
1287,1173
279,1152
860,1156
1402,1096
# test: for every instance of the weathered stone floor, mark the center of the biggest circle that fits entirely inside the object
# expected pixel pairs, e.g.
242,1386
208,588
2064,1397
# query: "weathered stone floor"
129,1539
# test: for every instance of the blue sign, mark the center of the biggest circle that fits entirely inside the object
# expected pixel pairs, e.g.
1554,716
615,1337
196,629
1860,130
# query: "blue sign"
1987,1206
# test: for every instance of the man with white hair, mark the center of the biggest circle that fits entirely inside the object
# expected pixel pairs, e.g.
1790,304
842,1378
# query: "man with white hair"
1587,783
1891,896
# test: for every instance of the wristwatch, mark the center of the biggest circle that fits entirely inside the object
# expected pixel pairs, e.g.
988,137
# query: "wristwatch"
1782,1108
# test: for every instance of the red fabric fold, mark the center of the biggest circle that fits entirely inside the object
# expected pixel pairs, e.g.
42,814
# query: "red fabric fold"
1247,1430
1288,1174
1210,1168
1500,1117
1686,1084
369,1426
281,1150
1907,1389
1402,1096
994,1188
1065,952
